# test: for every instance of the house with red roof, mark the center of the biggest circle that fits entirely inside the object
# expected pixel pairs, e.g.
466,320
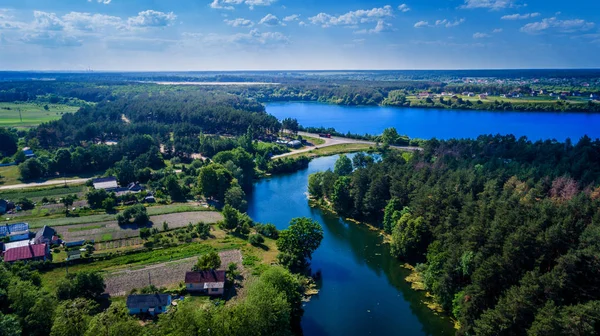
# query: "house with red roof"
31,252
210,282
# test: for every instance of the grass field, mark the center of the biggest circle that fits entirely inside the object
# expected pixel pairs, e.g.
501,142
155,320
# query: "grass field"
9,175
335,149
31,114
38,193
314,141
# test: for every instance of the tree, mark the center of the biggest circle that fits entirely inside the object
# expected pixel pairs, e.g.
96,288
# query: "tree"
72,317
165,226
341,198
361,160
213,181
315,185
109,204
409,236
291,125
135,214
207,262
89,285
96,197
115,321
256,239
231,217
173,188
343,166
297,243
390,136
32,169
9,325
236,197
68,201
25,203
8,142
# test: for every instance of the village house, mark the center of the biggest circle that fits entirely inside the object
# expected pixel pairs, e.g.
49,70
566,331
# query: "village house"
483,96
106,183
30,252
206,282
28,153
15,232
148,303
46,235
295,144
3,206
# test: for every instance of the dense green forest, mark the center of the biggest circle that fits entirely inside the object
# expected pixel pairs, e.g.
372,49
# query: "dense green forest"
504,231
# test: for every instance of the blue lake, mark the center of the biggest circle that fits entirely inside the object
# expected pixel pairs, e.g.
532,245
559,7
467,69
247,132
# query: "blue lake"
441,124
363,291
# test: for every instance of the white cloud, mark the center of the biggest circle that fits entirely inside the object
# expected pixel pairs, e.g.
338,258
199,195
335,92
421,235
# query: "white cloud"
403,8
449,24
270,20
51,39
421,24
106,2
480,35
302,23
239,22
520,16
563,26
252,37
497,30
152,18
47,21
91,22
352,18
490,4
229,4
381,27
294,17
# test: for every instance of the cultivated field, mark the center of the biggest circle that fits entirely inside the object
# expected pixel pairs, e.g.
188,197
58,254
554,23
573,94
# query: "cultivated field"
32,114
110,230
166,274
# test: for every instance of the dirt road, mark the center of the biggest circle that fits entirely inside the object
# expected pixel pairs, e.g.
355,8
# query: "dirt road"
336,141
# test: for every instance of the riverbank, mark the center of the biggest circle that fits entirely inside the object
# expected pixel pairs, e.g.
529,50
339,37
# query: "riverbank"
415,278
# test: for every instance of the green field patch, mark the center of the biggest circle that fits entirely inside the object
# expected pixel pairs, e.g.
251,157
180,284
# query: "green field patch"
10,175
85,228
106,237
35,193
31,114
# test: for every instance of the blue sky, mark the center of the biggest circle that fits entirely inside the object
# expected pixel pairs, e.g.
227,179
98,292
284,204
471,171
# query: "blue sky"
293,34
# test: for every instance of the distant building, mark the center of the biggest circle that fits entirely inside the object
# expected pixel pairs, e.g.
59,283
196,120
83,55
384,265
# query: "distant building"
206,282
149,199
46,235
483,96
148,303
28,152
75,243
3,206
106,183
294,144
15,232
31,252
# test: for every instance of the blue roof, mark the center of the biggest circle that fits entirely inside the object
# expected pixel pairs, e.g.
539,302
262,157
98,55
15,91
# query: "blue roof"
74,243
8,229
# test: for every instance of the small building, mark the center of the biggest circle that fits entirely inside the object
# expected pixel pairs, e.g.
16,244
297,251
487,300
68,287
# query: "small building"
206,282
74,243
148,303
483,96
149,199
31,252
73,255
28,152
15,232
46,235
106,183
294,144
18,243
3,206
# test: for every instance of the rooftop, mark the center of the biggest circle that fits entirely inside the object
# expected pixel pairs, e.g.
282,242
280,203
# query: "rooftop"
205,276
148,300
8,229
25,252
105,183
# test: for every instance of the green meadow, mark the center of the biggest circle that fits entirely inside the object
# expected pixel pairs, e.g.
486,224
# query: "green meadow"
31,114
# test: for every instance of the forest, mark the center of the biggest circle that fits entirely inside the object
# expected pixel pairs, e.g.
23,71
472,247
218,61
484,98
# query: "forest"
504,231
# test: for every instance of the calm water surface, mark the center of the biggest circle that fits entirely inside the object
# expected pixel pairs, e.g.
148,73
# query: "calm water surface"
441,124
363,289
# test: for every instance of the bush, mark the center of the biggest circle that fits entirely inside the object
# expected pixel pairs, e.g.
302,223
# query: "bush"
256,239
267,230
136,214
26,203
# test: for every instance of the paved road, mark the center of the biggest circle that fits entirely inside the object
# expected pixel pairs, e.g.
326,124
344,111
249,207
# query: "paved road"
43,184
336,141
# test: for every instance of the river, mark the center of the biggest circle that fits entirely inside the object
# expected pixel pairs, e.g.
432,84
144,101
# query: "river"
363,291
439,123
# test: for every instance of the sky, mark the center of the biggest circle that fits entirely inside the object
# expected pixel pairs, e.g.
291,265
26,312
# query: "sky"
187,35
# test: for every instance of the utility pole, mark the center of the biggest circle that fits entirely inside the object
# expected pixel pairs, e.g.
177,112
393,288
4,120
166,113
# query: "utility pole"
20,115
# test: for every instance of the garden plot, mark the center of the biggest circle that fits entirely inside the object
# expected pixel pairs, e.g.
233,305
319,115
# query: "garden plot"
166,274
110,230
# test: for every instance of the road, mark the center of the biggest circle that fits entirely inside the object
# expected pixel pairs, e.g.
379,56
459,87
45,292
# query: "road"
336,141
43,184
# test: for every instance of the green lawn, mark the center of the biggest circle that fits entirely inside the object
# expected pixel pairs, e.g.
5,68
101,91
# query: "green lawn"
335,149
38,193
85,228
31,114
314,141
10,175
